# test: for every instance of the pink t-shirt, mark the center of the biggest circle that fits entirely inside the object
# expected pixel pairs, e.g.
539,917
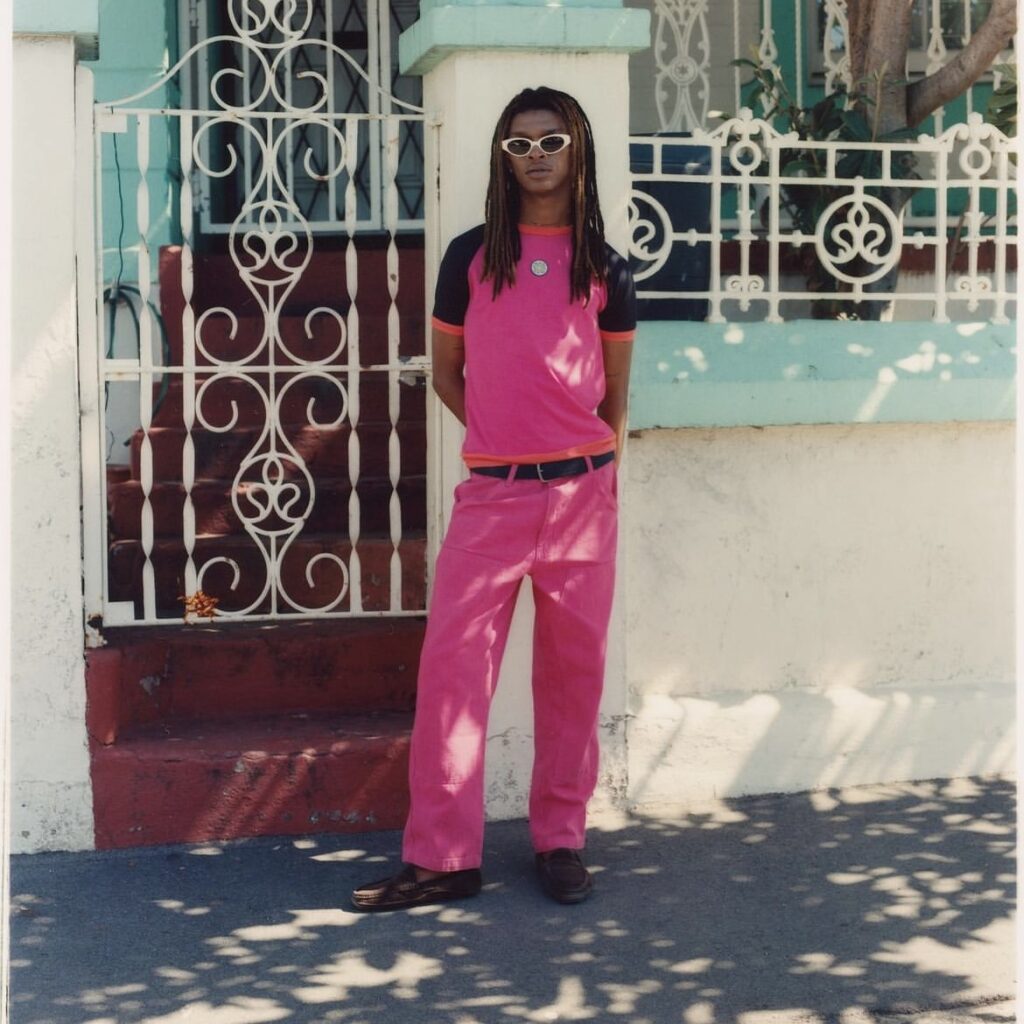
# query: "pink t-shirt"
534,362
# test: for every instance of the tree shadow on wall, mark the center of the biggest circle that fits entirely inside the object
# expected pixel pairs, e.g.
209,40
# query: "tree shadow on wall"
824,908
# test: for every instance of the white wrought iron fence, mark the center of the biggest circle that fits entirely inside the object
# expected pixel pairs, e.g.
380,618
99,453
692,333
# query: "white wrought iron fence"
729,224
290,370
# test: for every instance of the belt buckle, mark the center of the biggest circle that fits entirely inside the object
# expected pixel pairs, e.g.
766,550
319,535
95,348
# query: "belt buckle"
540,472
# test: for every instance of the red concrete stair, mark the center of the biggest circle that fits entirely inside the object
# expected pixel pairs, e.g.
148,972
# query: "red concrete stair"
324,450
188,783
126,559
316,336
232,401
207,733
215,514
236,729
323,283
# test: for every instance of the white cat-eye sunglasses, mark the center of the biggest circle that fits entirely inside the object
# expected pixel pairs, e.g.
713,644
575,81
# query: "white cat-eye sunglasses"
548,145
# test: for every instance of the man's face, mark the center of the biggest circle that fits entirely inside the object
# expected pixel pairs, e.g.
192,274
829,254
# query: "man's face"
540,174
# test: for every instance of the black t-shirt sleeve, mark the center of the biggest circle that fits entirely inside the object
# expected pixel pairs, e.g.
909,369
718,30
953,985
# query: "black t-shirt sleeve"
451,295
617,320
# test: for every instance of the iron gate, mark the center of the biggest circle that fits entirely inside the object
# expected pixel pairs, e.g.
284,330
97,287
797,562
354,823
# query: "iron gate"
258,442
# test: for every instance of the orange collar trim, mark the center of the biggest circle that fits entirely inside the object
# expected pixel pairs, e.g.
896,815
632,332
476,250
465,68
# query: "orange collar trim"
545,229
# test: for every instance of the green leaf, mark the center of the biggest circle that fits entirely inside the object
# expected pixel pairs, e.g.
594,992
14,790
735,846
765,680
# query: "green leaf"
852,164
999,100
856,125
826,117
796,168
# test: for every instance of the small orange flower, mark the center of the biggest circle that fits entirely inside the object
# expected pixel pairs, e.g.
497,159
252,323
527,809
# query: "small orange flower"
199,605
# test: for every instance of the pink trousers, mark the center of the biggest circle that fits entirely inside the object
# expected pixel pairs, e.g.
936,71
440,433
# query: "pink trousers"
562,535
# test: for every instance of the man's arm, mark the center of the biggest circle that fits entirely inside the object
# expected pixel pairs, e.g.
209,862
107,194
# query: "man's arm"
617,356
448,356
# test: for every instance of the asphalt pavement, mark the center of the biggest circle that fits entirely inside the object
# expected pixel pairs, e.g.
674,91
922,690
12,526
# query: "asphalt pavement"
878,905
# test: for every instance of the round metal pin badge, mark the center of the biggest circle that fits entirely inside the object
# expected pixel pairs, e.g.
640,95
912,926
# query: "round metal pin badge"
538,268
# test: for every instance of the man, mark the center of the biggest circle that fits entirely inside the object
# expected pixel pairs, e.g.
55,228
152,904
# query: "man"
533,325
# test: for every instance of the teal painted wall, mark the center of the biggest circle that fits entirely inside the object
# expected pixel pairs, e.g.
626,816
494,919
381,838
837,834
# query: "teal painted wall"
138,44
79,18
821,371
55,16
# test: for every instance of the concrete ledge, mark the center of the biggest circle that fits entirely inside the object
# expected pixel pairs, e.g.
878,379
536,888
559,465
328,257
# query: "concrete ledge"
689,374
78,18
596,27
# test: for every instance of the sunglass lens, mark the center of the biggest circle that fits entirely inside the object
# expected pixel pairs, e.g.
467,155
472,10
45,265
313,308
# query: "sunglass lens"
518,147
552,144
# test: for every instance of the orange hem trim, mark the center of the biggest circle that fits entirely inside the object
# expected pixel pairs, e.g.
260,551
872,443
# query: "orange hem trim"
457,329
474,459
618,335
545,229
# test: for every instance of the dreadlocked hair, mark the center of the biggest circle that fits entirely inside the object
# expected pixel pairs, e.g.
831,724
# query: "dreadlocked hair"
502,247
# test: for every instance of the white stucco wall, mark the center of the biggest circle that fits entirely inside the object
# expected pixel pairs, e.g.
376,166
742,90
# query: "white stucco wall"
469,91
818,606
51,805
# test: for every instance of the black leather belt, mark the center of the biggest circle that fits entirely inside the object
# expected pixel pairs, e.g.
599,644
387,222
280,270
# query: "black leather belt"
545,471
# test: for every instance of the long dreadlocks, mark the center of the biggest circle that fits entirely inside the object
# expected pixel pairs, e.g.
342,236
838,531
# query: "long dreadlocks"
501,221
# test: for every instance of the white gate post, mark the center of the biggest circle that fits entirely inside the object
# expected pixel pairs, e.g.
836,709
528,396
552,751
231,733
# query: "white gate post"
51,803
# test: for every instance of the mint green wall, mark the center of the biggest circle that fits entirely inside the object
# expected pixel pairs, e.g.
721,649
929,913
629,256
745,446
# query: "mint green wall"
138,43
569,26
821,371
59,17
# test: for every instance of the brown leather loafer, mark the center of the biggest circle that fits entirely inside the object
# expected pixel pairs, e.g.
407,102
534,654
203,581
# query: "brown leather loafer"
402,890
563,875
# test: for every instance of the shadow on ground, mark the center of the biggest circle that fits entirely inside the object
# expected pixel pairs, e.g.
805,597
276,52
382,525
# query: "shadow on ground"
826,908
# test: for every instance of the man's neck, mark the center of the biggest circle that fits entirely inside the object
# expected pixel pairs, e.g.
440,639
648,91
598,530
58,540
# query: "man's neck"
544,211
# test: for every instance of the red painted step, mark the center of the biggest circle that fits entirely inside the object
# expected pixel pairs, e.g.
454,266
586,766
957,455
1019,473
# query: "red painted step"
215,514
323,450
125,562
217,283
317,336
217,732
224,671
284,775
231,403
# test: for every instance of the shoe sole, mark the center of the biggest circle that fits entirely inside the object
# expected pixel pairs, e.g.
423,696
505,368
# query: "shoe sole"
425,901
570,898
576,896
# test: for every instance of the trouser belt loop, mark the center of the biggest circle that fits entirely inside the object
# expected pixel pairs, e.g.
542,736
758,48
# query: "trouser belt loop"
590,463
512,470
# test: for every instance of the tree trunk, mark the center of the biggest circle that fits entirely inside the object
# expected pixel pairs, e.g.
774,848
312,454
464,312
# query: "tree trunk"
878,38
924,97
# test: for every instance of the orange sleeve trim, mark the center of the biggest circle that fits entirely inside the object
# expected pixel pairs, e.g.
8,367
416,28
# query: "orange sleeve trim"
457,329
475,459
618,335
545,229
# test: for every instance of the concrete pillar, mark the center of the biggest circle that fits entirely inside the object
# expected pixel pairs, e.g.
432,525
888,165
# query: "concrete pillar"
473,59
51,803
